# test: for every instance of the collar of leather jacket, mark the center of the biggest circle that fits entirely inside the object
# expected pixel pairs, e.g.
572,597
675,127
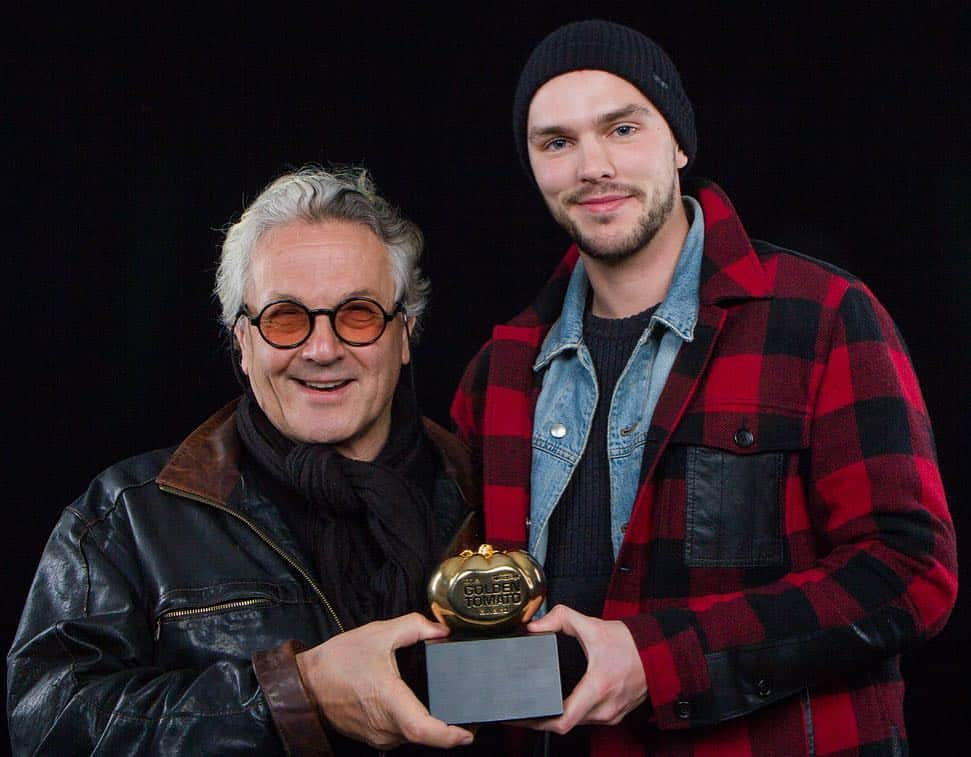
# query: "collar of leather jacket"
206,464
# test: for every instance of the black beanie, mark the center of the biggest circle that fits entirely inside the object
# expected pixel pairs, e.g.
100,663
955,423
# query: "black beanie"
619,50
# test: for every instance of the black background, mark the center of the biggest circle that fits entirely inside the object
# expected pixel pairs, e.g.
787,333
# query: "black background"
836,128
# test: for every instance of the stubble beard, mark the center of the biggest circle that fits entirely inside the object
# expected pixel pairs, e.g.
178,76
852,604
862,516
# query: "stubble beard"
644,230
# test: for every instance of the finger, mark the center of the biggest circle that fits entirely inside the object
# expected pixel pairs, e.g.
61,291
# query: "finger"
576,709
415,723
523,723
584,698
412,628
560,618
538,724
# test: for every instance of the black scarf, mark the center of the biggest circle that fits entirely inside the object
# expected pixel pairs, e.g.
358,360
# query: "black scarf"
370,523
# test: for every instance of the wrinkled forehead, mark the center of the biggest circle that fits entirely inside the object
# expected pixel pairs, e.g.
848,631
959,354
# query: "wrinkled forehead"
320,260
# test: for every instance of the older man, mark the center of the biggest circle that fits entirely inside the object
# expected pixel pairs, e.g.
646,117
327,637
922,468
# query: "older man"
174,600
718,447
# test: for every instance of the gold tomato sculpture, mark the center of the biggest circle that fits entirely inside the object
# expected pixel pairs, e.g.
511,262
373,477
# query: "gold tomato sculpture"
488,590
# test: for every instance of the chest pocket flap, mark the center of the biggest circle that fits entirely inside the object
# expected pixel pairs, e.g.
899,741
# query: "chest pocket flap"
735,469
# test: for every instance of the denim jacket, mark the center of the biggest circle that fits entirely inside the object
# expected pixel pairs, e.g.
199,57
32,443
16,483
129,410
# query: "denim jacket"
568,399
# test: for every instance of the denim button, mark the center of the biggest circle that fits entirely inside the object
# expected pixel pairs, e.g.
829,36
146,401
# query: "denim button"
683,709
744,438
557,430
628,430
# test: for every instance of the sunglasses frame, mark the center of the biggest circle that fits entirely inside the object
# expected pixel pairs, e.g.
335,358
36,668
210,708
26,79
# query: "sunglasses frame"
331,313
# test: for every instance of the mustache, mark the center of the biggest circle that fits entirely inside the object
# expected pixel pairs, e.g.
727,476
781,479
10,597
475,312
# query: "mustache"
603,190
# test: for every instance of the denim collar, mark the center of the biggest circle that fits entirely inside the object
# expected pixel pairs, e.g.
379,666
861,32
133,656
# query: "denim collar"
678,311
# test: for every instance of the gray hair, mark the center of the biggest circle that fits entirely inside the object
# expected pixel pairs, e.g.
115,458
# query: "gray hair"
312,194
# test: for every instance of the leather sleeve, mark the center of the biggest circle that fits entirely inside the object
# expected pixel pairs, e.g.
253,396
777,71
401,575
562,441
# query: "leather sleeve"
294,711
82,674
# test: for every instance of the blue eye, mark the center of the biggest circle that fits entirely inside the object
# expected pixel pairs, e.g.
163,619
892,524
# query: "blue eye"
556,144
625,130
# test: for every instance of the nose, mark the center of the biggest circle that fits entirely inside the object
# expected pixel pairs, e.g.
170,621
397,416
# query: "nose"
595,163
322,346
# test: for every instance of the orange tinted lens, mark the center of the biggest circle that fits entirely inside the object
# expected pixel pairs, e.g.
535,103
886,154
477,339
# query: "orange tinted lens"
359,321
284,323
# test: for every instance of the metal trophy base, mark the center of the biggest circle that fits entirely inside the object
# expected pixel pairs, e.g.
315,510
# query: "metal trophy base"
493,679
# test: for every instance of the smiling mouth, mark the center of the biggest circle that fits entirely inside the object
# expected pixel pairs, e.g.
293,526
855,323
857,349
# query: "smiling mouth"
603,198
603,204
324,386
603,194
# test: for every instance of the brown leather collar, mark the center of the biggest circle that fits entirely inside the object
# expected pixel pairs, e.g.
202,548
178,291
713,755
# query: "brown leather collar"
206,464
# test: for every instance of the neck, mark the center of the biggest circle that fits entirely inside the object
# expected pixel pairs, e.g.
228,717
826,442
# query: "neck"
623,288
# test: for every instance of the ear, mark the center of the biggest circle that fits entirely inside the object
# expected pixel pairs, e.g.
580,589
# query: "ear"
241,340
680,159
409,327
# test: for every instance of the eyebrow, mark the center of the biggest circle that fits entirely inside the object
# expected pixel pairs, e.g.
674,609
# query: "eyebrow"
276,295
625,111
620,113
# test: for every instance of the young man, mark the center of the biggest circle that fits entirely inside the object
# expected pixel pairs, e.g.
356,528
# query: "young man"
717,447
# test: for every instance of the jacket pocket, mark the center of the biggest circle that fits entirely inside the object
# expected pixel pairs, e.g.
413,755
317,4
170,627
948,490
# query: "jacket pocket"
183,606
733,515
196,612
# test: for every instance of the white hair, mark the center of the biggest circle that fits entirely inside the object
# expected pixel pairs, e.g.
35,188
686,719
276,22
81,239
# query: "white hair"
312,194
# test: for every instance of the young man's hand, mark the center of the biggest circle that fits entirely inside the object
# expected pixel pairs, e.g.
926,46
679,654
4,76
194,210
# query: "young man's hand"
614,683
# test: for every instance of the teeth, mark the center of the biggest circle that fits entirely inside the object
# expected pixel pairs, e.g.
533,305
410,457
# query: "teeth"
331,385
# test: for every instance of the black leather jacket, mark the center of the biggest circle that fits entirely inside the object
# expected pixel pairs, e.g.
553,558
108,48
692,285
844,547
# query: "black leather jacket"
155,589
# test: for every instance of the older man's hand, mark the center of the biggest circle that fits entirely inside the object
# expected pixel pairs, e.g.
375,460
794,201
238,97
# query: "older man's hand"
354,678
614,683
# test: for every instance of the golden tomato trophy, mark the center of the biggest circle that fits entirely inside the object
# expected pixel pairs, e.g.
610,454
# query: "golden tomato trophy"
490,669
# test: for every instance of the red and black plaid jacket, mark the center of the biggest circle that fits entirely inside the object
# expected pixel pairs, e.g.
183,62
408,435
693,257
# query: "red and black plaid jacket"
790,535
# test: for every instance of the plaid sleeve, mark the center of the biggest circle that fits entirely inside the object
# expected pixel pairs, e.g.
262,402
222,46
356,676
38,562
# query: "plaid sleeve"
469,401
867,498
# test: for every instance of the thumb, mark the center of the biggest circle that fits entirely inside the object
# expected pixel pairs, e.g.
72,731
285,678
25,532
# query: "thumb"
412,628
560,618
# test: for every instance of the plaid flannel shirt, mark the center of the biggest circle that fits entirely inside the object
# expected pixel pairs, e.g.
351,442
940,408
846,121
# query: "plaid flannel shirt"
790,535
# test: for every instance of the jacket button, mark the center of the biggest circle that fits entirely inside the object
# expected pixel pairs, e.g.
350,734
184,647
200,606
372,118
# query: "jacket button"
557,430
683,710
624,568
764,687
744,438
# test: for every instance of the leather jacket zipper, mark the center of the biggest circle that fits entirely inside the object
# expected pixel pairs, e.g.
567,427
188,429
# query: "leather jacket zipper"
259,532
189,612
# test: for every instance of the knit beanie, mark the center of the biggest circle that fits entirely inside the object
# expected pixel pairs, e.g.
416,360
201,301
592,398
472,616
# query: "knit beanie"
619,50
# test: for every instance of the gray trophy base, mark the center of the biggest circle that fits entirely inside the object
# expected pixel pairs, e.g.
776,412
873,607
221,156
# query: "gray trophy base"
488,680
